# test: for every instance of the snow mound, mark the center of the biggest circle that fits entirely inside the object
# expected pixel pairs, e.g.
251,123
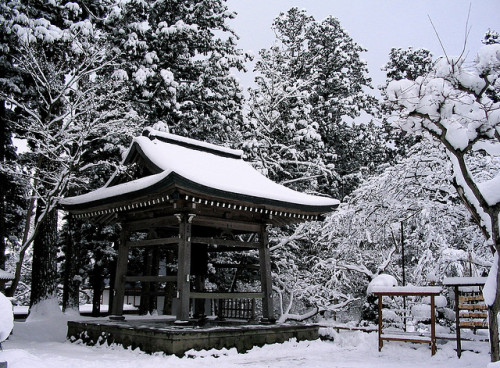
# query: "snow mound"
381,280
440,301
421,312
44,310
46,322
6,317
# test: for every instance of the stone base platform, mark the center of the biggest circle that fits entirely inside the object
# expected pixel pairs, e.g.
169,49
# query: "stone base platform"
163,335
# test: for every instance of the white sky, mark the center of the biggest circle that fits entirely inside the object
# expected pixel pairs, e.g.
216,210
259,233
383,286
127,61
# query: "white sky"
377,25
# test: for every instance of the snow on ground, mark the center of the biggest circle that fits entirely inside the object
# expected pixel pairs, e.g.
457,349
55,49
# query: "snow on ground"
41,344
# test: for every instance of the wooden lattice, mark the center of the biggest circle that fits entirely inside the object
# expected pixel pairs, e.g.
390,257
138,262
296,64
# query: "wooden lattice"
471,311
236,308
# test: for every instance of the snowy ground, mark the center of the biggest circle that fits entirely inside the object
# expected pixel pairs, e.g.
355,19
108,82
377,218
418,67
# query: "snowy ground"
40,343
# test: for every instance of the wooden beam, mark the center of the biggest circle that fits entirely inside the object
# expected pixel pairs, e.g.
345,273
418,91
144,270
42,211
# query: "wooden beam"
227,243
151,278
213,295
229,249
226,224
239,266
144,224
152,242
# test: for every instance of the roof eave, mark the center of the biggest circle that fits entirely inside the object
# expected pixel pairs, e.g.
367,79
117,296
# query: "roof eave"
175,182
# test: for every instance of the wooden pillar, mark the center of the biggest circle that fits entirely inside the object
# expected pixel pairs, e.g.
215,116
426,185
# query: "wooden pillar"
121,272
433,325
184,268
457,322
265,277
380,342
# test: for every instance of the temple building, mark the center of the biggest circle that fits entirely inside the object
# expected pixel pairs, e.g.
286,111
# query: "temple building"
184,200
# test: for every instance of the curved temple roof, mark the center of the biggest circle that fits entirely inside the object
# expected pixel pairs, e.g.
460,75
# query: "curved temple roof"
201,168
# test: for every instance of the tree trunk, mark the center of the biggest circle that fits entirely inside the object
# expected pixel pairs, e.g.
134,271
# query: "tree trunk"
19,264
97,287
112,277
44,277
71,283
493,321
154,286
144,307
170,286
3,145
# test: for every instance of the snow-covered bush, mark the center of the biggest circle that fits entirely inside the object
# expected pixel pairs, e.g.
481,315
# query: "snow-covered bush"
6,318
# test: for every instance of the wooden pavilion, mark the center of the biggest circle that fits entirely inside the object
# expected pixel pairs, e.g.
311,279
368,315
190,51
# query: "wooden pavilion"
192,198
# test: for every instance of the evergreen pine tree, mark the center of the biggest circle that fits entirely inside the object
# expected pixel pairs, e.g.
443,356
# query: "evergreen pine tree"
69,98
177,56
491,37
310,86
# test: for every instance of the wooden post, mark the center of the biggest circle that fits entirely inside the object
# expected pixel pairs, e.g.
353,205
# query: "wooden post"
457,323
121,271
433,326
184,269
265,277
380,342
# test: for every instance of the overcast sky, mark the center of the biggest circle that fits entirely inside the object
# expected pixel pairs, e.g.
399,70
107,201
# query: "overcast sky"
377,25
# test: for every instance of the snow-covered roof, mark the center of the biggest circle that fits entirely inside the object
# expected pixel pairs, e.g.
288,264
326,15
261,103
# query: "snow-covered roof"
4,275
464,281
408,290
201,168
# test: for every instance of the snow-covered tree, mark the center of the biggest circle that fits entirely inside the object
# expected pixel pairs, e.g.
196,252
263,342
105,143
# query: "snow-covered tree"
310,83
177,56
70,99
459,107
301,288
409,210
408,63
491,37
410,204
11,205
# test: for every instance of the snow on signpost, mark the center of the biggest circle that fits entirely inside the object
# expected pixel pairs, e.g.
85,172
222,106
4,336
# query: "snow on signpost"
381,281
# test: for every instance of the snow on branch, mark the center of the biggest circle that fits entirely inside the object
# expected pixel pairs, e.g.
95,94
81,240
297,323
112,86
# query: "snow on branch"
460,108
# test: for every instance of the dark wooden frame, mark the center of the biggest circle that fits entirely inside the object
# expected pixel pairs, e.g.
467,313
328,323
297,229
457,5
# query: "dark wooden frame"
187,217
432,293
466,282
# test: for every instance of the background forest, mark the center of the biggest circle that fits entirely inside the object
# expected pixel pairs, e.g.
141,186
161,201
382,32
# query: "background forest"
79,79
